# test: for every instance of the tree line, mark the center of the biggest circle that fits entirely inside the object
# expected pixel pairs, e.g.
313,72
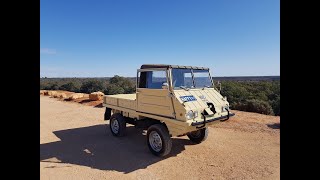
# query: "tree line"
114,85
252,96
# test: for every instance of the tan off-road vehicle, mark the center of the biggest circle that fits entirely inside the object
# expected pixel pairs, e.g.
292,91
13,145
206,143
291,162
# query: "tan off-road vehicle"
169,101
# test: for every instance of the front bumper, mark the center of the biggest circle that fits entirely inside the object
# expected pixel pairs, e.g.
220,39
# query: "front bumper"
222,118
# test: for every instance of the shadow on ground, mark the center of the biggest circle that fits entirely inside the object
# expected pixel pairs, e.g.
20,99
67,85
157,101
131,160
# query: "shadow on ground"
274,126
95,147
85,101
99,105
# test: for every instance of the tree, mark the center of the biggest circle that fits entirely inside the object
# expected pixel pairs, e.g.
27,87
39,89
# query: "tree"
125,83
253,105
276,106
114,89
262,96
70,87
116,79
53,86
91,86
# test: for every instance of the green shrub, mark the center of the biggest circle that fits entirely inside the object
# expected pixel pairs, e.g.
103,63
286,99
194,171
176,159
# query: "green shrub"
114,89
125,83
70,87
276,106
91,86
253,96
253,105
53,86
259,106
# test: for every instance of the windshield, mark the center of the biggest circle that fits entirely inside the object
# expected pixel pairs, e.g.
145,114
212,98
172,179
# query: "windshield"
182,78
202,78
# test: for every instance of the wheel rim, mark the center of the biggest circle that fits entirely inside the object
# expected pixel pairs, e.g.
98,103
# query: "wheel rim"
155,141
195,134
115,126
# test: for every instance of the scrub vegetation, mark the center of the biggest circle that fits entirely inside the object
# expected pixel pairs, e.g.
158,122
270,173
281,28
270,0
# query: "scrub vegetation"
261,96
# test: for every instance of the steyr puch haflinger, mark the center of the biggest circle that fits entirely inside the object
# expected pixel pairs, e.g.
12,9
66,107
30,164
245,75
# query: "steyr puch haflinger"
170,100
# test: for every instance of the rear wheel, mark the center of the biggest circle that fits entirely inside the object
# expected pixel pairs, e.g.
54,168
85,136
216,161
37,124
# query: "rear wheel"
158,139
199,135
117,125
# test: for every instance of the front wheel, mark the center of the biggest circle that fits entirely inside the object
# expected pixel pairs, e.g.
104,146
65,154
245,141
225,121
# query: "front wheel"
199,135
158,140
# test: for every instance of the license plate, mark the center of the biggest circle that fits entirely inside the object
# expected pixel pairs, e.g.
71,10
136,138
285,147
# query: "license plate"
188,98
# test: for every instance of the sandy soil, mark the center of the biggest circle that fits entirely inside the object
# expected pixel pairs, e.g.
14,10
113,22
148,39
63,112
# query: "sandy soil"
75,143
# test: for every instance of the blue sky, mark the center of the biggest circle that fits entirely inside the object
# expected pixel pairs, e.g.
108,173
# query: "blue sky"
101,38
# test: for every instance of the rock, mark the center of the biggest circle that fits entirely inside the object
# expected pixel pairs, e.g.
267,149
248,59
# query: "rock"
76,96
95,96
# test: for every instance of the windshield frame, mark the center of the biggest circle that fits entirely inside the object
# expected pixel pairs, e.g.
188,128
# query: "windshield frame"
193,79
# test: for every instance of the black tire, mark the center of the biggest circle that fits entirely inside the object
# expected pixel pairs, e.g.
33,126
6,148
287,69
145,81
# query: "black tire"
166,142
199,135
107,114
120,122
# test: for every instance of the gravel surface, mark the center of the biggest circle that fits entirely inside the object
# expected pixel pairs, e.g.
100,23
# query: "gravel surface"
75,143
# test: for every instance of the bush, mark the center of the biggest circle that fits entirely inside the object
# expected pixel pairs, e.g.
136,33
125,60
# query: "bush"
91,86
53,86
42,86
125,84
70,87
114,89
87,85
259,106
276,106
254,105
261,97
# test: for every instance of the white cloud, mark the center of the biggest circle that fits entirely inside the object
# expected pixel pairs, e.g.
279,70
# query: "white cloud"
47,51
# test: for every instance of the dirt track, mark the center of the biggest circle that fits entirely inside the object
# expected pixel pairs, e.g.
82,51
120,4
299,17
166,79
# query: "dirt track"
75,143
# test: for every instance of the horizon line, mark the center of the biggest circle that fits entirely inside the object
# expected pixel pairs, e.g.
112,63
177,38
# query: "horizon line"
135,76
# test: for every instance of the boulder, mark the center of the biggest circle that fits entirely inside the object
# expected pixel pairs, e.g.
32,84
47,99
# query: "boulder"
95,96
42,92
52,93
62,96
76,96
56,95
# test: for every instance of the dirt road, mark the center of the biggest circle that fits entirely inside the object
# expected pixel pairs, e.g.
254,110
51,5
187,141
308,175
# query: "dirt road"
75,143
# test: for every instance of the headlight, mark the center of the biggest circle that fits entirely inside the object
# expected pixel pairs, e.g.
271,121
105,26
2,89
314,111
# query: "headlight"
225,108
191,114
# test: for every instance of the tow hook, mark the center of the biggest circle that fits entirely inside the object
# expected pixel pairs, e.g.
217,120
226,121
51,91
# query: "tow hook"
228,115
204,121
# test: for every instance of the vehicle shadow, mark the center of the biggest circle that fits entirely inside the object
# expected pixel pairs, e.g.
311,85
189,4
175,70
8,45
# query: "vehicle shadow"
96,147
274,126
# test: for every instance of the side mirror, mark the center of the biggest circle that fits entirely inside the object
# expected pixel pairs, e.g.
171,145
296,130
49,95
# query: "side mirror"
165,85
